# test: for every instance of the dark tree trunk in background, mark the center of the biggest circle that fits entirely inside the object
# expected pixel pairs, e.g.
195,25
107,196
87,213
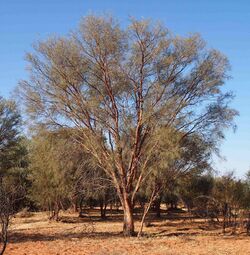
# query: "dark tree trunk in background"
111,208
75,205
171,205
56,211
81,208
4,233
248,224
158,208
103,208
225,215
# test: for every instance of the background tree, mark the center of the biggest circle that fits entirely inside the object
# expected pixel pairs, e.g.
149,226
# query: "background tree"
10,196
175,160
12,143
247,201
13,166
92,184
196,193
122,85
51,174
230,193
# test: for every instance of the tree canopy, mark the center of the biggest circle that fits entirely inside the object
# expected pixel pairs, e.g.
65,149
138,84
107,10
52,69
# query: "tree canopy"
119,86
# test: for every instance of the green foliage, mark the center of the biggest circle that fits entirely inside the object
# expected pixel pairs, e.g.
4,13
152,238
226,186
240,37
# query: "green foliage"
13,148
194,187
12,144
51,173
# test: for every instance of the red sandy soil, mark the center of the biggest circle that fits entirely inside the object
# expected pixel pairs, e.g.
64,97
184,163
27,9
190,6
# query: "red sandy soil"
36,235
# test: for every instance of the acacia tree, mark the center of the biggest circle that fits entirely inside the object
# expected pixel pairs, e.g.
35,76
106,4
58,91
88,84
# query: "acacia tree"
247,200
230,194
121,85
12,165
12,148
11,194
54,159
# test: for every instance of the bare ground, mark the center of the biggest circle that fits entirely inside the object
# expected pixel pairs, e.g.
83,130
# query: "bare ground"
36,235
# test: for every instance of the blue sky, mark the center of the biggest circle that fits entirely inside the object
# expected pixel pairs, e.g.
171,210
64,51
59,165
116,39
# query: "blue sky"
224,24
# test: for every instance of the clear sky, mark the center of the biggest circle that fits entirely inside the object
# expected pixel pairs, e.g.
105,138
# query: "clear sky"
224,24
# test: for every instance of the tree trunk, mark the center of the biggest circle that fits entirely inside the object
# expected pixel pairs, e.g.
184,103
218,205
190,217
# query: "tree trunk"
128,223
158,207
81,213
248,225
111,209
171,205
225,216
103,207
105,210
151,200
75,205
4,234
56,211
